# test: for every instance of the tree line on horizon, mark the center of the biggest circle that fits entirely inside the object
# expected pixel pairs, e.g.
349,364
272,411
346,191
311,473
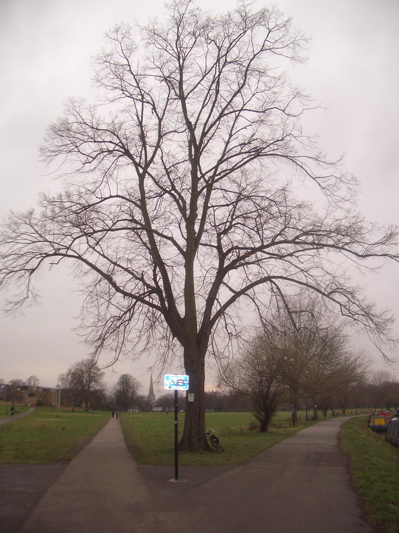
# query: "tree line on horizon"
375,390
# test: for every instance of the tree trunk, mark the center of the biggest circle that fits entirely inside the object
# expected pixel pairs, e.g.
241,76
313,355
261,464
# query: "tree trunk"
194,438
294,410
264,421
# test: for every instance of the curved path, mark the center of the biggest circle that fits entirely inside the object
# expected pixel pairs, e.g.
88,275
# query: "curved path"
300,485
8,419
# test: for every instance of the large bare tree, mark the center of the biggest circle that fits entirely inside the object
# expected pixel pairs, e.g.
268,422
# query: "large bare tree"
180,193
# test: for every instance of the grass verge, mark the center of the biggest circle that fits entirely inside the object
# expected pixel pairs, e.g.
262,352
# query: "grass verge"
150,437
48,436
374,465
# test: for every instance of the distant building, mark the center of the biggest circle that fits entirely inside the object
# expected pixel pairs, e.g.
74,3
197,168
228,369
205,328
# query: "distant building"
31,395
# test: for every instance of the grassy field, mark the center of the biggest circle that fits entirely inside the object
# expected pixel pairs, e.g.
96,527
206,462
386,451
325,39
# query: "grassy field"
375,473
47,436
150,437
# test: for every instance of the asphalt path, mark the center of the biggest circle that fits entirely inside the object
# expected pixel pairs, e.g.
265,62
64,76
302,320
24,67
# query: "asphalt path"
300,485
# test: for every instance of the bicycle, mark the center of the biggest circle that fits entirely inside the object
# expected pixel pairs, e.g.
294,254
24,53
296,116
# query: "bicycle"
214,440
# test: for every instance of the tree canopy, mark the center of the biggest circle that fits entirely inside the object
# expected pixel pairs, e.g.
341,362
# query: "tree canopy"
182,195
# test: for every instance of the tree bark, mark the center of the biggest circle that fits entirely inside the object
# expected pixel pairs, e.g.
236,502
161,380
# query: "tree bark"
194,438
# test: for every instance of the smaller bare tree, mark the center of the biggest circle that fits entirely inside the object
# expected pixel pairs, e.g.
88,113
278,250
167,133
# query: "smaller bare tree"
125,392
312,344
68,386
13,394
33,381
351,374
256,375
82,381
166,401
381,382
301,352
143,403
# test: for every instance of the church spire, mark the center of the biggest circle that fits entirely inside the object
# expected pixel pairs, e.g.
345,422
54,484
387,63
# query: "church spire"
151,395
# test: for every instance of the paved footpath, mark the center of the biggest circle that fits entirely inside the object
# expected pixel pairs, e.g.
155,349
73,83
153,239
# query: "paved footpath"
100,491
300,485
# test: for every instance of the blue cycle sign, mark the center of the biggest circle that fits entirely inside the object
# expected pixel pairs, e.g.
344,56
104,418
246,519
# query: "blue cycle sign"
174,382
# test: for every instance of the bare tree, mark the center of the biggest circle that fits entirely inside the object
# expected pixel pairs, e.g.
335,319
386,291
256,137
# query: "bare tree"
305,345
69,388
301,352
166,401
13,391
82,382
322,366
33,381
88,380
257,376
125,392
179,199
352,373
381,381
144,403
325,352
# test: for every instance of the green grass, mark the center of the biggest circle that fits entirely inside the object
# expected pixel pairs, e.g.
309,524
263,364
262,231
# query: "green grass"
374,465
48,436
150,437
5,409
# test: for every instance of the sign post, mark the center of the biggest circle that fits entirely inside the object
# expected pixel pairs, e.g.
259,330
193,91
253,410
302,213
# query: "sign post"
176,383
176,436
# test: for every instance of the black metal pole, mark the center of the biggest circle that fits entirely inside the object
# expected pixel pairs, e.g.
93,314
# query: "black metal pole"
176,438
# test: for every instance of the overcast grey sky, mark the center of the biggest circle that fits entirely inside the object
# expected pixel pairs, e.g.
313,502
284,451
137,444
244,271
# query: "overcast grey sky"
45,50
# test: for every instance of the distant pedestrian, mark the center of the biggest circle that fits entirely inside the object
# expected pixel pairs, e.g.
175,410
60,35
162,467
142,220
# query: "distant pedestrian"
12,411
113,413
